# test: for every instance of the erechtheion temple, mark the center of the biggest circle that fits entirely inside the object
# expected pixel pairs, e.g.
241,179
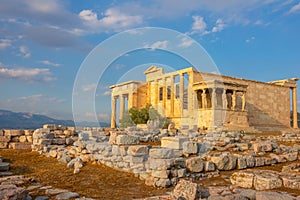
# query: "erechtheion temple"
193,99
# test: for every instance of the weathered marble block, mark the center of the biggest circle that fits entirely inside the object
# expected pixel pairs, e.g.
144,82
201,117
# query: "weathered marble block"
127,140
161,153
173,142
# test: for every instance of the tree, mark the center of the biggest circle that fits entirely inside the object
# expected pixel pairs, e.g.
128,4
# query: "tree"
135,116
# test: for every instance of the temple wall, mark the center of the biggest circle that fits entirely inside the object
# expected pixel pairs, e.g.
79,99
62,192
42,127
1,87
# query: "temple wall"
267,105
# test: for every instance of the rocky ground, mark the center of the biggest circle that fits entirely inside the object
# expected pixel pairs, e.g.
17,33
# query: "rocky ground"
45,177
194,165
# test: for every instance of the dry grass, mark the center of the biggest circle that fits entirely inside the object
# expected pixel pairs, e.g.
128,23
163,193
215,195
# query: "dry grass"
95,180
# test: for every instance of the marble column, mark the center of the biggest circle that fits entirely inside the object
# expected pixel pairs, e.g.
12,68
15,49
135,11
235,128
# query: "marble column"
122,106
181,90
295,117
233,100
224,99
113,112
172,95
213,98
164,93
191,104
156,97
204,102
243,101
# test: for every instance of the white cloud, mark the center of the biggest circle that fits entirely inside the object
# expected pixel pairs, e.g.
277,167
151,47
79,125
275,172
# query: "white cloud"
158,45
32,74
106,93
186,42
199,24
35,99
47,62
294,9
24,51
113,20
103,116
4,43
250,39
219,26
90,87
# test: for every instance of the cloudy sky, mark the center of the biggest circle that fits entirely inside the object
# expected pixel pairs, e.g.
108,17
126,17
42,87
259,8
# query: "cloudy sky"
43,44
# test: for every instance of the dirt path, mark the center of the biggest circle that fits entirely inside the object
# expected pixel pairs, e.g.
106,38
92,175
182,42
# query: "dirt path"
94,181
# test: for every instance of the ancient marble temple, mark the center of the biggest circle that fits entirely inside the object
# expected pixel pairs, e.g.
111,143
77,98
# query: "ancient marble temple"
193,100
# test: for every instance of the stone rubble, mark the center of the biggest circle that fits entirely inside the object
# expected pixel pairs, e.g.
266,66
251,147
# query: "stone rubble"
182,155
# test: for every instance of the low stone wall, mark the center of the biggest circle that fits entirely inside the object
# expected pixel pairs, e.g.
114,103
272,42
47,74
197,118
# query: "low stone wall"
15,139
190,155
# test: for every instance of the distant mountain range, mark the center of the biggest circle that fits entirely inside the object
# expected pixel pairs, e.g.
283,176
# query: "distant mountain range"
21,120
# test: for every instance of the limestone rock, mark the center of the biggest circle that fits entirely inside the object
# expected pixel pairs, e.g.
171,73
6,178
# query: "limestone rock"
173,142
292,181
161,153
272,196
263,147
242,179
186,190
190,147
224,161
127,140
138,150
266,180
67,195
161,174
194,164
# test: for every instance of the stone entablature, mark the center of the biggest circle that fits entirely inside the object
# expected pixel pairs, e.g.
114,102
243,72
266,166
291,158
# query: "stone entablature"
205,100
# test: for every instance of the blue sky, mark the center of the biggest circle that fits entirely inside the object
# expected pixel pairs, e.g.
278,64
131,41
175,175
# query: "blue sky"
43,43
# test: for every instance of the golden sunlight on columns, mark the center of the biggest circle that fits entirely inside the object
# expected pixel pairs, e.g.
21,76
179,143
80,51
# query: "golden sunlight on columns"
122,106
113,112
203,96
214,98
172,95
243,101
191,104
181,90
156,93
295,117
233,100
164,82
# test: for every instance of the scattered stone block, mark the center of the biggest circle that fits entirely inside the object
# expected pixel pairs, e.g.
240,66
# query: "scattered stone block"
242,179
186,190
241,162
173,142
292,181
209,166
127,140
265,180
163,183
67,195
50,126
161,174
195,164
224,161
265,195
20,146
190,147
5,138
3,145
262,147
4,166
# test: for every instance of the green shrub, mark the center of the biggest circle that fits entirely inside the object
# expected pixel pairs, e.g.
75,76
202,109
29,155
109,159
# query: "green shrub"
135,116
